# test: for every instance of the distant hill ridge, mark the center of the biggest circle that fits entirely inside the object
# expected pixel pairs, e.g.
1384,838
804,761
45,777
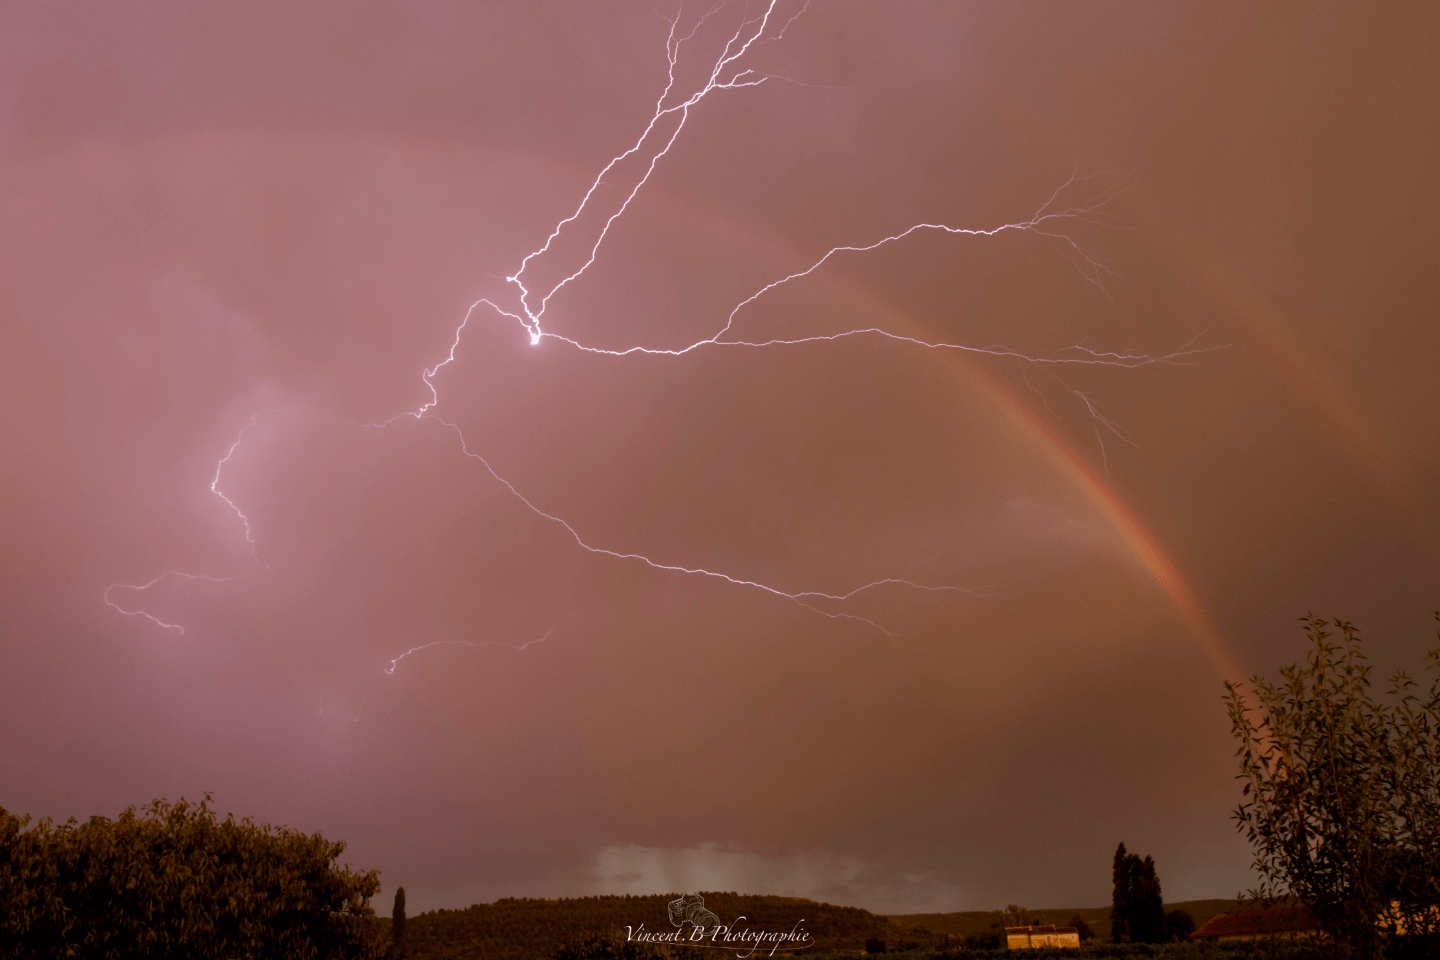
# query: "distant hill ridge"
527,929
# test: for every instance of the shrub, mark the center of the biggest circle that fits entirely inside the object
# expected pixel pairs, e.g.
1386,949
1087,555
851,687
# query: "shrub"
174,881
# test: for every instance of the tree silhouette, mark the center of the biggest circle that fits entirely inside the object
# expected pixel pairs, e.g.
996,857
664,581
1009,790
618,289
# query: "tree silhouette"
1147,908
1342,791
1082,928
1124,882
1015,915
1137,911
173,882
397,926
1179,925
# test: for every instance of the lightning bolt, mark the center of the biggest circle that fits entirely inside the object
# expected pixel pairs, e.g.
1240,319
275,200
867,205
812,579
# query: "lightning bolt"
181,574
1098,420
141,587
215,482
468,643
1078,200
801,598
1044,222
751,30
726,73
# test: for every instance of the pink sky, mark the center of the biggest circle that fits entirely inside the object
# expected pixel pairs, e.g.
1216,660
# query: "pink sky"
263,223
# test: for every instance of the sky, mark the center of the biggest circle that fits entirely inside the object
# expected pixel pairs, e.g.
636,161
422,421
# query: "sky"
913,584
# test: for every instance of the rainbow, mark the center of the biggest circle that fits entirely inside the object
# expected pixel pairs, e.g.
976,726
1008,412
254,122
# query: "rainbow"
968,371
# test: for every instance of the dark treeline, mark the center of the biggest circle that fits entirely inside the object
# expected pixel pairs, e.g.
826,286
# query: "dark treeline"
593,928
524,929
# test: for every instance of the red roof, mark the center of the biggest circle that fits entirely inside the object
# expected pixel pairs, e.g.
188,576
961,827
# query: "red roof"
1260,923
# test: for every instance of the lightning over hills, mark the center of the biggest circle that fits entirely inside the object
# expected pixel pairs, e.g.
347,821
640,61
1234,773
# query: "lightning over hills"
759,442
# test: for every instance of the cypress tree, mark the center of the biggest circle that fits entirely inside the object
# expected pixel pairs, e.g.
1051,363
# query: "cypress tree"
1137,911
397,926
1147,909
1120,899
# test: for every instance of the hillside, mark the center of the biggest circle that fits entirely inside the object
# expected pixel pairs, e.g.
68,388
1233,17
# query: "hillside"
525,929
975,922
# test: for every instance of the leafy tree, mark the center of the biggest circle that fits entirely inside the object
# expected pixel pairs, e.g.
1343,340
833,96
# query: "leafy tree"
1016,916
1137,911
1179,925
397,926
1082,928
176,882
1342,790
991,939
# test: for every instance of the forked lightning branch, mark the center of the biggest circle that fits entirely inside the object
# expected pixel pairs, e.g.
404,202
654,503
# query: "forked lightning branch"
730,68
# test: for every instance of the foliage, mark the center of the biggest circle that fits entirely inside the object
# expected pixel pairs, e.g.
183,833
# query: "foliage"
1083,928
987,940
397,926
1179,925
1137,914
1120,898
1015,916
1343,790
176,882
